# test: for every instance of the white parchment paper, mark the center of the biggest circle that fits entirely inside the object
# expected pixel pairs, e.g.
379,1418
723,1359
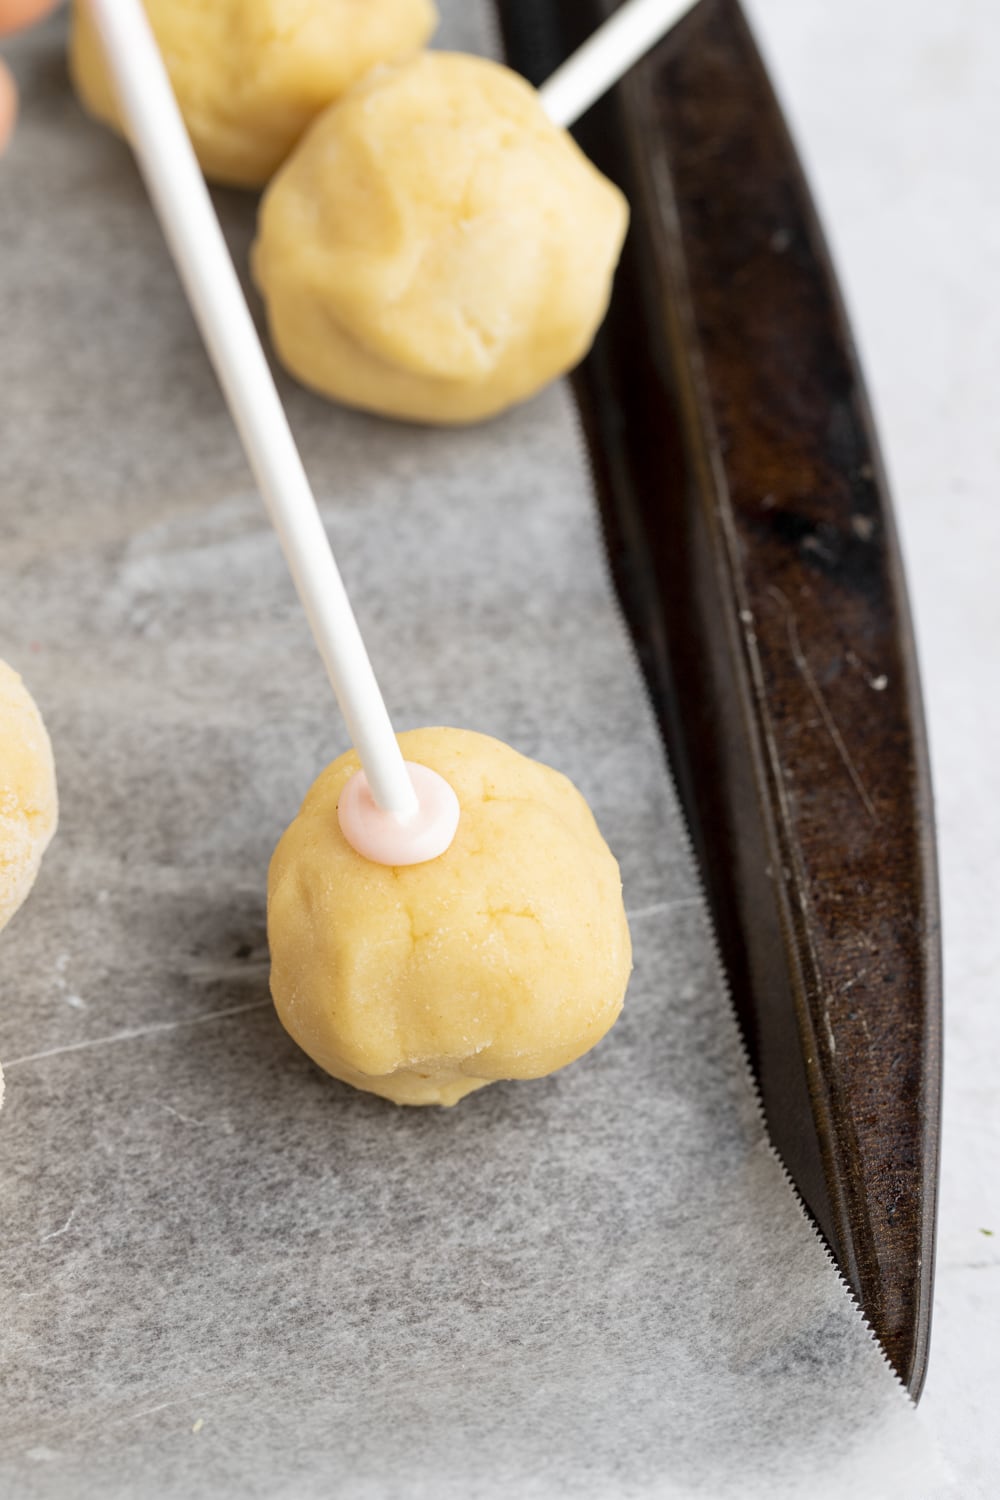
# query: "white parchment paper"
223,1274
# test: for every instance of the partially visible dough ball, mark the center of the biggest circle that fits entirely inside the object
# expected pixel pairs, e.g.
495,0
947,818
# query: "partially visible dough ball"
250,75
435,248
507,957
28,805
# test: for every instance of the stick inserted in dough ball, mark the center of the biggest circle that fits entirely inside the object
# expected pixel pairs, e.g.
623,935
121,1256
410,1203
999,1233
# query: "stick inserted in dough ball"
250,75
506,957
435,248
28,803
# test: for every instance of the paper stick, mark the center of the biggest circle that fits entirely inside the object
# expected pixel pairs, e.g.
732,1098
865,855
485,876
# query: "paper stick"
182,202
607,55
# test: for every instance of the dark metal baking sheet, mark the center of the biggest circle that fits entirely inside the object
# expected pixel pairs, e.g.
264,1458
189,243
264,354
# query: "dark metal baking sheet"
753,545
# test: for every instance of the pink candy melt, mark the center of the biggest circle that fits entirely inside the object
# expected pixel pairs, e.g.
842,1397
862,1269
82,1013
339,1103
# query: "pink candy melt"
388,840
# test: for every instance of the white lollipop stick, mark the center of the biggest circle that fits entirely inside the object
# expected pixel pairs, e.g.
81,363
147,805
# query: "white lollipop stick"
606,56
192,230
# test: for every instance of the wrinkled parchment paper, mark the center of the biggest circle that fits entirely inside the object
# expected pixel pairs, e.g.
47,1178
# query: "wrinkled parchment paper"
223,1274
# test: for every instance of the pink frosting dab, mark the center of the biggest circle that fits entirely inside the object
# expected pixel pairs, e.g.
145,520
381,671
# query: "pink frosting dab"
388,840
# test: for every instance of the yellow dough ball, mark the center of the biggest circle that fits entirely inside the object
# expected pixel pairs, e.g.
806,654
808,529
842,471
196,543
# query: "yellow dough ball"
435,248
28,804
250,75
506,957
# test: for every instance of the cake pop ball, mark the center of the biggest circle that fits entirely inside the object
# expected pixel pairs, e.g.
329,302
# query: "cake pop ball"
505,957
28,802
436,248
8,112
250,75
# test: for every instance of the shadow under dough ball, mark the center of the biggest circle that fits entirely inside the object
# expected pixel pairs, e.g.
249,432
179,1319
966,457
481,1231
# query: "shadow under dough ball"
250,75
506,957
435,248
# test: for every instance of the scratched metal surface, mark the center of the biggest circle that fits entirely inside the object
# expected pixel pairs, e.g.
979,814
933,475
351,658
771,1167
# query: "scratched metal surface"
754,540
896,110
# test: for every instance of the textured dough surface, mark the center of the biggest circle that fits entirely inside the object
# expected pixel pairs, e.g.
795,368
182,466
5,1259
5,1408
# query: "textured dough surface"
250,75
28,803
507,957
435,248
